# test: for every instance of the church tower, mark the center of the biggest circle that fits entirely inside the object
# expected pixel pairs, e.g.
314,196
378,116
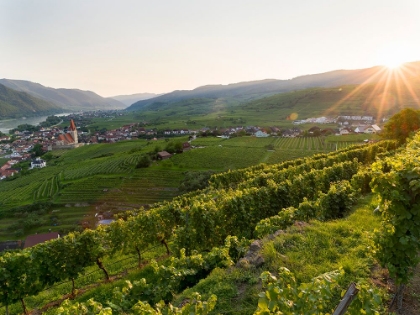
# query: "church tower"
73,131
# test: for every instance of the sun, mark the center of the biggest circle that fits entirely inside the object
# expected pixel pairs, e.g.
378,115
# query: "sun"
393,64
394,56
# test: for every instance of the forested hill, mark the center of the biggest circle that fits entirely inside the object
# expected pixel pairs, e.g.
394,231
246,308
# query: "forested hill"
247,91
68,99
17,104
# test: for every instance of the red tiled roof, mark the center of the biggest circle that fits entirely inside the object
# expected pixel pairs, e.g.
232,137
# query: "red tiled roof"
72,125
66,137
34,239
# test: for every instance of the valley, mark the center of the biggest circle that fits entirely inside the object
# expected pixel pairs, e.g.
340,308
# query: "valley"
214,191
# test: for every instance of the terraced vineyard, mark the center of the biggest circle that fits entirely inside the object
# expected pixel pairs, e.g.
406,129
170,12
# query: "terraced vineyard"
105,177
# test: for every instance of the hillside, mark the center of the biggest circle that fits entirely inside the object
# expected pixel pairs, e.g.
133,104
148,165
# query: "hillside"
378,100
392,92
68,99
17,104
130,99
246,91
197,230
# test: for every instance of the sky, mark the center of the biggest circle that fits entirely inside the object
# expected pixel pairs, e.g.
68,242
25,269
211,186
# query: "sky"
123,47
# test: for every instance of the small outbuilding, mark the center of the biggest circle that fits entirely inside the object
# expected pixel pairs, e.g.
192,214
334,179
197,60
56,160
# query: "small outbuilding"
163,155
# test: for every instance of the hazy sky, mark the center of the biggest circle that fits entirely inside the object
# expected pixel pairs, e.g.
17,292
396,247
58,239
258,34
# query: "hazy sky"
132,46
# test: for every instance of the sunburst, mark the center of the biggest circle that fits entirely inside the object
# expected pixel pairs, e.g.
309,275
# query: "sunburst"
392,80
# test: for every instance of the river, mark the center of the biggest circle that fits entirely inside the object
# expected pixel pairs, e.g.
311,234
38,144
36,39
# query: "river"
6,125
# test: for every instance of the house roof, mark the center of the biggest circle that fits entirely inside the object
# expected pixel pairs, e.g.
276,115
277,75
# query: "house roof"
34,239
72,125
104,222
37,161
164,154
66,137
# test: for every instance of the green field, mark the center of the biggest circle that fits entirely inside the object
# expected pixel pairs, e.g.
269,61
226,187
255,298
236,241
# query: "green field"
103,177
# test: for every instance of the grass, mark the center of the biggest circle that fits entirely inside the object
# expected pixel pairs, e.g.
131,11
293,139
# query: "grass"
307,251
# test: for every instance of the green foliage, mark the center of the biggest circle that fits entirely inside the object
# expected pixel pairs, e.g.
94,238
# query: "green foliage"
144,161
118,306
195,180
361,181
37,150
397,182
212,216
337,202
174,147
283,295
402,124
284,219
18,277
50,121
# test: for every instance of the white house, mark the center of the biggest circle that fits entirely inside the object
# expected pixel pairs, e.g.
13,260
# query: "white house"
345,131
38,163
372,129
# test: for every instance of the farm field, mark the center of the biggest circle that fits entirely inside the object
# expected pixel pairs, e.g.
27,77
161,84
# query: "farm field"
334,230
104,177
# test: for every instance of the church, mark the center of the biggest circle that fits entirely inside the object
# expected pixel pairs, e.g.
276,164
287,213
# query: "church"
69,139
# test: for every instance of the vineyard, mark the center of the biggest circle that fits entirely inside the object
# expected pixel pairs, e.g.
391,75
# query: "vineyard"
205,232
104,177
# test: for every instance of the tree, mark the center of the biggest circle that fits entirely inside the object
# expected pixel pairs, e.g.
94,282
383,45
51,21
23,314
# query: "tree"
174,147
402,124
18,278
195,180
37,150
145,161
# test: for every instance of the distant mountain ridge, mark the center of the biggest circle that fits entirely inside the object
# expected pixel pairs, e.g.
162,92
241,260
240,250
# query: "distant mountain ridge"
67,99
132,98
248,91
15,104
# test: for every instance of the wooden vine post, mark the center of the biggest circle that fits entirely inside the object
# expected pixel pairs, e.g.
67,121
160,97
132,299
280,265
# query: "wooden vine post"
347,299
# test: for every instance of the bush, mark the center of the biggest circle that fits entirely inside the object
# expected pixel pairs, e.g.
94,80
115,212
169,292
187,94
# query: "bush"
337,201
195,180
145,161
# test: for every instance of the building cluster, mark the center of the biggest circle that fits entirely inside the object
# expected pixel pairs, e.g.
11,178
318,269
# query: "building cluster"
19,150
55,138
346,120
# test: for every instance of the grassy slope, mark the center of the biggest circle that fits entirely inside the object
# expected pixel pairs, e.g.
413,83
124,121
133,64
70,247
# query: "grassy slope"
306,251
375,100
103,177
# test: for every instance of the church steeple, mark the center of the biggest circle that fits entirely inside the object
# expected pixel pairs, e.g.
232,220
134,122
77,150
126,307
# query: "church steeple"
73,131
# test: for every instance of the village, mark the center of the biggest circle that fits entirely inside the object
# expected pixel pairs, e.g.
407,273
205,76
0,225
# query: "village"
20,146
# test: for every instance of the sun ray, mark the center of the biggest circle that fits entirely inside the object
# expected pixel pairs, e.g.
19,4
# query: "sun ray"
384,95
410,89
399,88
361,86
